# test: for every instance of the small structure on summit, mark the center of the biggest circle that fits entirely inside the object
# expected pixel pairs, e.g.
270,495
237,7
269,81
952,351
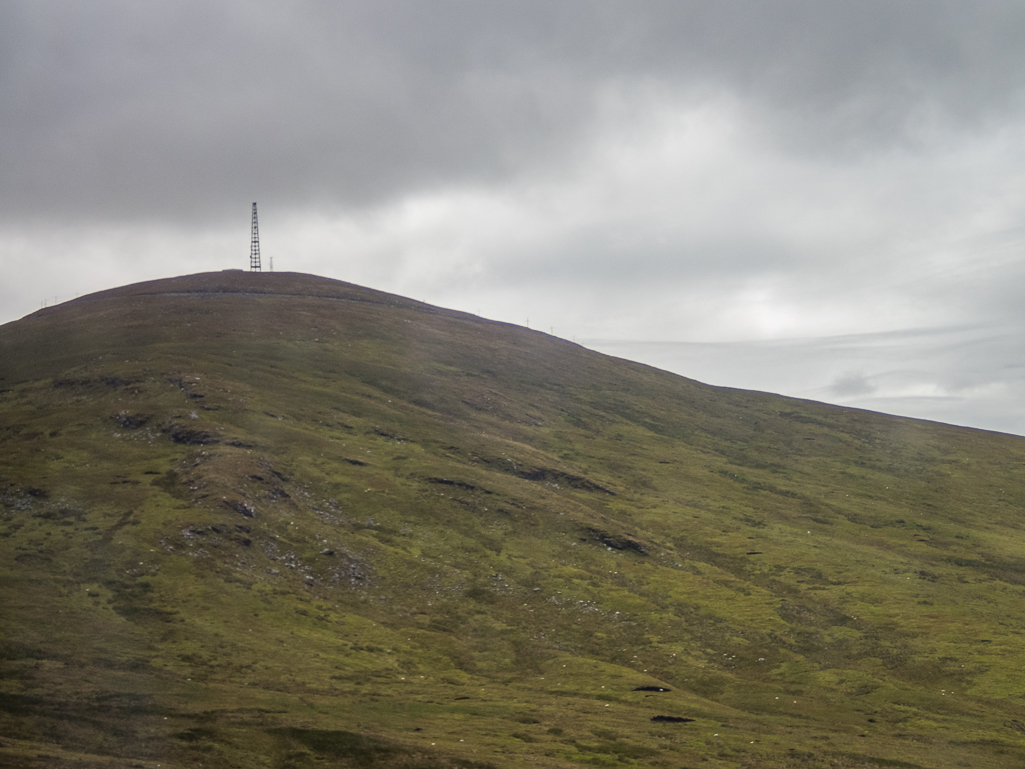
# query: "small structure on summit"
254,248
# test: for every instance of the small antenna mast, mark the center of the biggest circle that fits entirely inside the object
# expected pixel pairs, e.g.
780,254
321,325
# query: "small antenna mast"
254,248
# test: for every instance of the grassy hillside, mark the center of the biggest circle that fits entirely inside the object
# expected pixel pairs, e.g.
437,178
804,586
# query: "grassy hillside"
274,520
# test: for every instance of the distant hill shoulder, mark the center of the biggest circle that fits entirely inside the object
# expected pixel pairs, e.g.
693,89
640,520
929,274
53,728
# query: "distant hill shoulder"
256,283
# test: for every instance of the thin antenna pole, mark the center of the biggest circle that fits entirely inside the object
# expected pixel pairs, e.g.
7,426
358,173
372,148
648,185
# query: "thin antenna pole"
254,248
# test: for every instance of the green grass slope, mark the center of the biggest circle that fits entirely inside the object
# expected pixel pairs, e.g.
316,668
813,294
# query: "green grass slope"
274,520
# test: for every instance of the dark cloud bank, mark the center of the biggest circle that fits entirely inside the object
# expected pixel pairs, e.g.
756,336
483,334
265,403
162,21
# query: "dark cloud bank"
177,110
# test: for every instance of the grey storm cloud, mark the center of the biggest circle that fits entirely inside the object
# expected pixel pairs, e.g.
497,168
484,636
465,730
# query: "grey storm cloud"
128,111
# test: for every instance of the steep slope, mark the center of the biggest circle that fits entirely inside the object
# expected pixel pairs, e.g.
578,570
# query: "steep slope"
275,520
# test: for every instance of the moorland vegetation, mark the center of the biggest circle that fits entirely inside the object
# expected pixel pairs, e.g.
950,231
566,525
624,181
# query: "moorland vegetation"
275,520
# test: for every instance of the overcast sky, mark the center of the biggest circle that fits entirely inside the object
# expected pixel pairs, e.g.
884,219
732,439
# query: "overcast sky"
824,199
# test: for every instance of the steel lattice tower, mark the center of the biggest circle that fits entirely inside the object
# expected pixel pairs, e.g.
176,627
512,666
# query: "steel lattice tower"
254,249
